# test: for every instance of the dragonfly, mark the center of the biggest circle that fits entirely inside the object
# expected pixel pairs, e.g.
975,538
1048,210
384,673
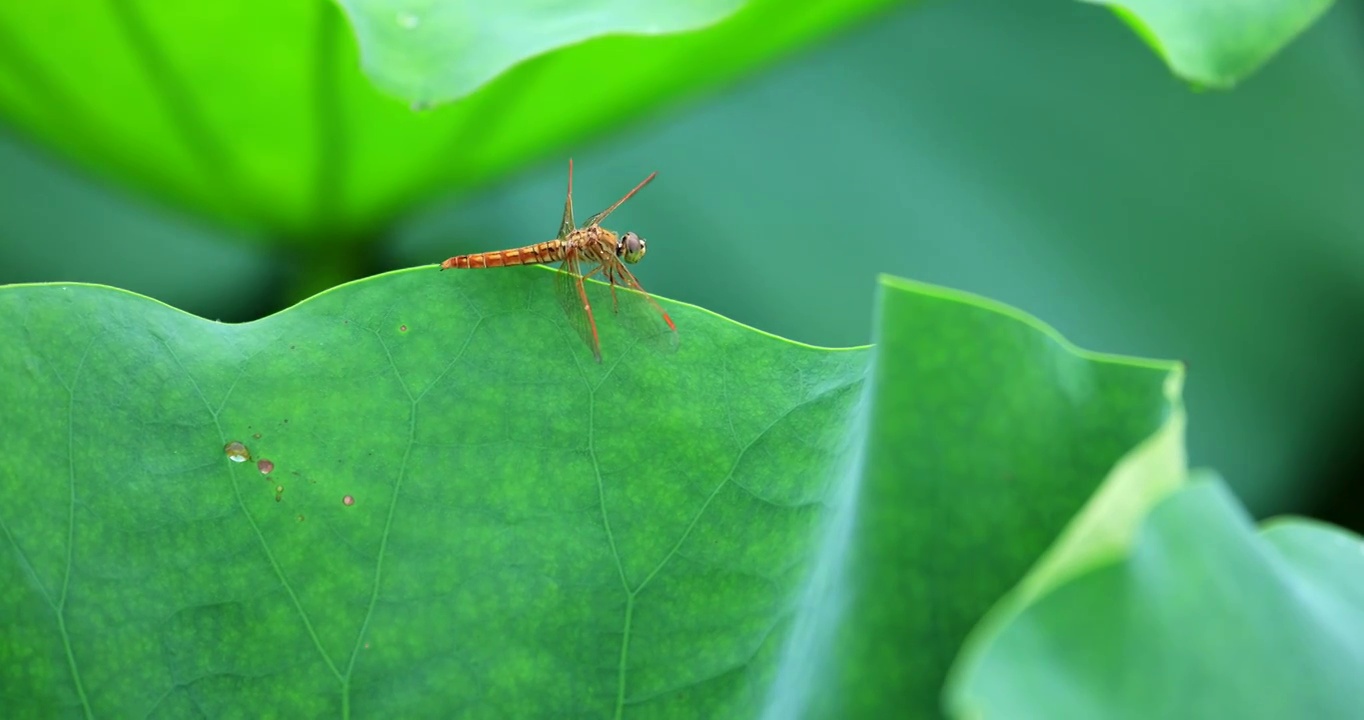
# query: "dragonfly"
585,252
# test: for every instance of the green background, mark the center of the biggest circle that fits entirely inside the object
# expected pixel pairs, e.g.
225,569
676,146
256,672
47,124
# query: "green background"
724,530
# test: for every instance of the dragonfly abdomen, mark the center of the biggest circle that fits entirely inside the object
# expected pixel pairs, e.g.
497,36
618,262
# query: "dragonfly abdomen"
539,253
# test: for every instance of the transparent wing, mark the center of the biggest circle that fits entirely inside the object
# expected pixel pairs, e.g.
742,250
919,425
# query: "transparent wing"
567,226
638,313
599,217
574,300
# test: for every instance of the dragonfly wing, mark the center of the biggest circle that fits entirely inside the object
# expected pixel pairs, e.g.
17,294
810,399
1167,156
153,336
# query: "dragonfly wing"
596,219
641,315
567,225
573,298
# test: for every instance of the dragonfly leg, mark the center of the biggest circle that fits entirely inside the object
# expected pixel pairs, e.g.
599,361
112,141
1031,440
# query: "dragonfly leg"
610,274
591,321
615,304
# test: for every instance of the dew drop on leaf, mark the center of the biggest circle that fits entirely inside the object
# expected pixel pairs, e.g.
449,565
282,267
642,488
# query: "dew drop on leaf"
279,492
236,451
402,328
265,466
256,436
347,500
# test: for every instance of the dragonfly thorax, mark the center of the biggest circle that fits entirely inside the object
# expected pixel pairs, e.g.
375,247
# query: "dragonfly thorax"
630,248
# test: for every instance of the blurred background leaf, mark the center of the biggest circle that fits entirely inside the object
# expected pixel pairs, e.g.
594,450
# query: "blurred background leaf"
1238,623
429,51
256,113
1212,42
959,143
984,433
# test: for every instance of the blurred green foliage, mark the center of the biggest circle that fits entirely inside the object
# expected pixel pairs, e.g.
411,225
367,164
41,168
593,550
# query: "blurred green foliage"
1214,43
1203,617
256,113
1037,155
435,52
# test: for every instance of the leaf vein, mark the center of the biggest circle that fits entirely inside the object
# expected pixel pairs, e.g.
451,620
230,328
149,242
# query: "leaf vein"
251,521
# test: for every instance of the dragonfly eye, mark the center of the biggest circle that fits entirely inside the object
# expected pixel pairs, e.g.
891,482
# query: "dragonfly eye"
630,247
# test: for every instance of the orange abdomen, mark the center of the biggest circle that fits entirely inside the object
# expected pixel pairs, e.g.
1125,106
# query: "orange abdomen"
545,252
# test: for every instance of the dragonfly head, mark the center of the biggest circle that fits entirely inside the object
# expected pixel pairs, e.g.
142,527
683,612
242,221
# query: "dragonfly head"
630,248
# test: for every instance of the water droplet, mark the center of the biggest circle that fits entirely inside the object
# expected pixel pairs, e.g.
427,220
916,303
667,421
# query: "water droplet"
237,452
279,493
256,436
407,20
347,500
300,518
265,466
402,328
